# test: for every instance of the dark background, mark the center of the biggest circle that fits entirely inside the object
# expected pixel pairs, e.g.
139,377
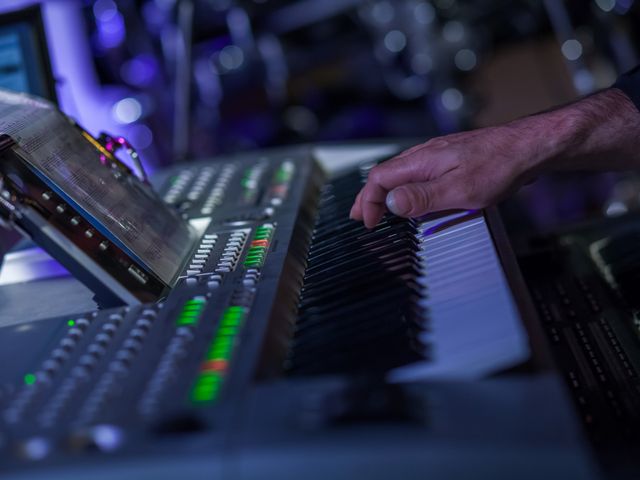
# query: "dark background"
186,79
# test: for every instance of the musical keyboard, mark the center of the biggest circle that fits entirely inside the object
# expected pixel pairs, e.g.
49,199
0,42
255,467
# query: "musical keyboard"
284,296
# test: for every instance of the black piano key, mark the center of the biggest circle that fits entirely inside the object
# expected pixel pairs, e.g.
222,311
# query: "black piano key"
359,305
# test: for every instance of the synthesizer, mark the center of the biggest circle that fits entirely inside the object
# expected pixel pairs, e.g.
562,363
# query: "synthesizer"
293,339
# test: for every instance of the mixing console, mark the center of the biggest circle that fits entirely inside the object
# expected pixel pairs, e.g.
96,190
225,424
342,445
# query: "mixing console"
281,287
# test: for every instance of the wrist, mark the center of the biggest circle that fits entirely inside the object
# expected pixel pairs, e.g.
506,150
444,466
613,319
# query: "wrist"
601,131
541,142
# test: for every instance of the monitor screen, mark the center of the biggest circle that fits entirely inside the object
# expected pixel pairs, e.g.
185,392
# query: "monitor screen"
24,59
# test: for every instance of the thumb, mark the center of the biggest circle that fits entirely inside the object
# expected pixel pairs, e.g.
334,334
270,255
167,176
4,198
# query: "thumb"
417,199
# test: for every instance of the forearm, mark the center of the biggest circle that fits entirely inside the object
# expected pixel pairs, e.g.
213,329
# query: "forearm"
481,167
599,132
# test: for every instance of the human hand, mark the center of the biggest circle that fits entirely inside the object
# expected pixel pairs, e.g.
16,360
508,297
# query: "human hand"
465,170
475,169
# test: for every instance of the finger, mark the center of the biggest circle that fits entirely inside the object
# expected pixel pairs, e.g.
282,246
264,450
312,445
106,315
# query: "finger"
356,209
373,214
421,166
417,199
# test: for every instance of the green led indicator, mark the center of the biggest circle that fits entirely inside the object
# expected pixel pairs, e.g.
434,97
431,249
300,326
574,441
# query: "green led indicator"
191,311
71,323
208,385
29,379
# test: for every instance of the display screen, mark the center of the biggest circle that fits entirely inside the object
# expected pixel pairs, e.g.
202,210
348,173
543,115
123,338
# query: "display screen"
117,204
22,68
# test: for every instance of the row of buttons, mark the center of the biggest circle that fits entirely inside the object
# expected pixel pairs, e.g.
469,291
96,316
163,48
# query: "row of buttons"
219,189
119,367
259,246
216,362
251,180
202,254
281,180
191,311
199,186
75,220
251,277
50,368
232,251
226,263
175,351
86,365
167,369
178,186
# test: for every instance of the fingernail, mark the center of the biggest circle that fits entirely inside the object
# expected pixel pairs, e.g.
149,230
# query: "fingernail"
392,203
397,202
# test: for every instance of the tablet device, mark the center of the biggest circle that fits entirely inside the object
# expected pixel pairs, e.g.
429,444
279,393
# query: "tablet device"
88,210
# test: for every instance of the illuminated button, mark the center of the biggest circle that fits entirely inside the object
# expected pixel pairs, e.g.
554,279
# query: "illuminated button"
116,318
205,251
191,281
61,208
192,272
211,236
201,256
75,221
103,245
47,195
89,233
